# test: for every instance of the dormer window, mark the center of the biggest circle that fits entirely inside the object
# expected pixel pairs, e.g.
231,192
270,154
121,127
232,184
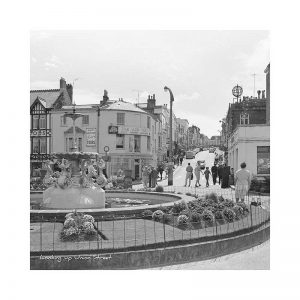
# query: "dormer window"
244,119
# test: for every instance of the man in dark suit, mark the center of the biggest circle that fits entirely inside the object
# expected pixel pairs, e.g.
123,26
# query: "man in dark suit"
214,173
220,173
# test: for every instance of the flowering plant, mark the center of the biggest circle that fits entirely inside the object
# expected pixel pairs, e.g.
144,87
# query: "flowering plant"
182,220
158,215
208,216
229,214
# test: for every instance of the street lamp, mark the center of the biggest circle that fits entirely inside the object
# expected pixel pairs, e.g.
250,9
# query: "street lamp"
170,166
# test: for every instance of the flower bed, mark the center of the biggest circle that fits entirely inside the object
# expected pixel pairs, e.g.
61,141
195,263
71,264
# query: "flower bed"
201,212
78,227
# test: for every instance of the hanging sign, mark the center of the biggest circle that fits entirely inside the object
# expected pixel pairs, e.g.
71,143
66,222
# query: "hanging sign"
91,137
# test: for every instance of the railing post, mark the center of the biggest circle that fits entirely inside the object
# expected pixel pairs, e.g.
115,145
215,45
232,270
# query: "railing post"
54,232
41,234
251,220
145,231
113,232
135,230
97,236
124,232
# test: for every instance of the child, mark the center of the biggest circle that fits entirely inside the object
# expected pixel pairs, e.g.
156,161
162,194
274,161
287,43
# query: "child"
207,173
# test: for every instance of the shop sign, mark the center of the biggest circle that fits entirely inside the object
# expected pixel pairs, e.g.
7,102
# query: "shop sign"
134,130
113,129
91,137
263,160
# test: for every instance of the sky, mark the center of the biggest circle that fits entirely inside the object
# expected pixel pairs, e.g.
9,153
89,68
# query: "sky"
200,67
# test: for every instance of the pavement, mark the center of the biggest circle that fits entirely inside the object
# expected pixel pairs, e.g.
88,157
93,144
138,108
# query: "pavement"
256,258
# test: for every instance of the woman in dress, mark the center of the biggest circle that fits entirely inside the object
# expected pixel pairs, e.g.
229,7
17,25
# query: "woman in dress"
242,183
197,174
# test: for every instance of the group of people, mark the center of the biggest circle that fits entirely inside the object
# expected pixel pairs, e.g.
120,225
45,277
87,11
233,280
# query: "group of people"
225,175
149,176
215,172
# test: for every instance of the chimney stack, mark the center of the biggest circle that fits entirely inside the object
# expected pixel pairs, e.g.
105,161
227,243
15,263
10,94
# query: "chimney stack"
62,84
151,102
258,94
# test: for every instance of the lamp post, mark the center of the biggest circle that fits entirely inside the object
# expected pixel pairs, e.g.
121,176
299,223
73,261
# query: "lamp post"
170,166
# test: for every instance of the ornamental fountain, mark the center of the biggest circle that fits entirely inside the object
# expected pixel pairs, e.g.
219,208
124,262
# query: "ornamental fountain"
72,188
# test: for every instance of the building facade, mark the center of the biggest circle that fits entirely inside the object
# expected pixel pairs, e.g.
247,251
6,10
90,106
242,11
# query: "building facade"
130,133
182,132
194,137
248,132
42,102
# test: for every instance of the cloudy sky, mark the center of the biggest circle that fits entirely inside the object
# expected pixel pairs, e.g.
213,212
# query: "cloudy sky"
201,67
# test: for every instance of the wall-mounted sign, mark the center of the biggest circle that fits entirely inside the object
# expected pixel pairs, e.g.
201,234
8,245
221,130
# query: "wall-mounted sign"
112,129
91,137
263,160
133,130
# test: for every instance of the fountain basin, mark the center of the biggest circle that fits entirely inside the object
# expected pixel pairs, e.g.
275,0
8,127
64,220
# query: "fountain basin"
73,198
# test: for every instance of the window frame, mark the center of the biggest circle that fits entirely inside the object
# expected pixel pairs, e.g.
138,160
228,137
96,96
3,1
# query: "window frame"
244,119
122,115
42,117
84,118
118,146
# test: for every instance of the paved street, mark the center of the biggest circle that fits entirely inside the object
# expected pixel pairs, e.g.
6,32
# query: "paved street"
256,258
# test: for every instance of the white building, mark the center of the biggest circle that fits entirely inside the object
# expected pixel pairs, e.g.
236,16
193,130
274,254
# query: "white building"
250,144
130,133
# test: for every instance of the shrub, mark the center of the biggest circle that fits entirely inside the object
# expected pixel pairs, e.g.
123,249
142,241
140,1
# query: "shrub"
208,216
205,203
185,212
195,217
70,222
221,199
178,207
165,209
229,203
238,210
244,207
159,189
182,220
212,196
167,218
147,214
229,214
157,215
193,204
219,206
199,209
219,215
211,208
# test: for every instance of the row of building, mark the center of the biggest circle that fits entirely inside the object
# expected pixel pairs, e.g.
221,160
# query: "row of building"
133,134
246,131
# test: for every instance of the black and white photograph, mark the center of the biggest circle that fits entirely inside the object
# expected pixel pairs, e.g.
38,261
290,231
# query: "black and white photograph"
150,149
143,153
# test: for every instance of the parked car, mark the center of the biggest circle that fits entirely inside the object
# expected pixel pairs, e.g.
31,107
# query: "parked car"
189,155
211,150
202,164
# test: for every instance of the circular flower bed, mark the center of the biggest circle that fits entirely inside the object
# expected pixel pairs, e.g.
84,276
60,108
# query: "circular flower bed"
78,226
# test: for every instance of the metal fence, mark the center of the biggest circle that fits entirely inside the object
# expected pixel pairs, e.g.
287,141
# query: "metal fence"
133,232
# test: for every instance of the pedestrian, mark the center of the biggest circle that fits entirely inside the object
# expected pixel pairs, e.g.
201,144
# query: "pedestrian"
207,173
145,176
225,176
231,177
189,174
220,173
242,182
214,172
197,174
181,159
160,170
154,175
150,176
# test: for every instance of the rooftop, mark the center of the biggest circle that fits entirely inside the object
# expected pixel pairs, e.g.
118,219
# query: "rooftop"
48,96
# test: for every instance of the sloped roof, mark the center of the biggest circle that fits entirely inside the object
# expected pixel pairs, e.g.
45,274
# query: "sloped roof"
49,96
122,105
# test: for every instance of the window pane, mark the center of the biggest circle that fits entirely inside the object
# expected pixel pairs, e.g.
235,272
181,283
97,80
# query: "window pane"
43,145
148,122
35,123
148,143
137,143
35,145
120,118
42,122
85,120
119,141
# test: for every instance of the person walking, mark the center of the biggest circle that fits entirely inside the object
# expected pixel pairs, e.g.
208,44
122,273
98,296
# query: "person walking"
225,176
242,182
154,175
197,174
214,172
181,159
207,173
145,176
189,174
220,173
160,170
